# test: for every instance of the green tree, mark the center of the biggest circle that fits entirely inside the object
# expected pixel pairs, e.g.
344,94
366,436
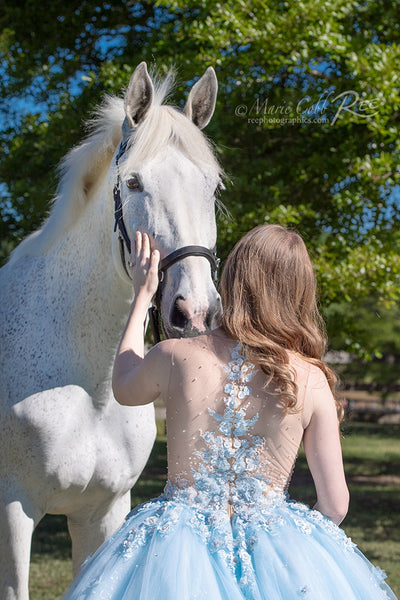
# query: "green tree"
307,122
357,326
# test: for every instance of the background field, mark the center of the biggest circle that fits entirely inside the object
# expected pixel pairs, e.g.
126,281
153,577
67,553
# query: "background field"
372,459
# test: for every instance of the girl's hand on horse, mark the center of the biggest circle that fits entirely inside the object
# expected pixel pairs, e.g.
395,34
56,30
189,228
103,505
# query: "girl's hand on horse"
145,265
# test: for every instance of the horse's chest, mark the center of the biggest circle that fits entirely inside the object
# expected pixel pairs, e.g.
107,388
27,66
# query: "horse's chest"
69,448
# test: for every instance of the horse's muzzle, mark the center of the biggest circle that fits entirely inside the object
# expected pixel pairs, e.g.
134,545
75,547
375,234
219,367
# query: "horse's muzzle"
187,321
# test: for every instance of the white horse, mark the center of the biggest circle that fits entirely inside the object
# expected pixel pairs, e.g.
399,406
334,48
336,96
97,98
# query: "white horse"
66,446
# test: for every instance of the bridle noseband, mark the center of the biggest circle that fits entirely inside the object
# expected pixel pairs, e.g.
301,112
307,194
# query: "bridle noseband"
166,263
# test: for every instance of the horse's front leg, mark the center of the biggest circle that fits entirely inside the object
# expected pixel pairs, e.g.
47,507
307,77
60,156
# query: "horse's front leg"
88,532
18,518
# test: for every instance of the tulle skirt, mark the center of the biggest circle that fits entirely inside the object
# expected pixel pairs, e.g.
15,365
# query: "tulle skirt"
169,549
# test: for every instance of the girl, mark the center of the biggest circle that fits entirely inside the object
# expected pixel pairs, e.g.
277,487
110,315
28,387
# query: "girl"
239,402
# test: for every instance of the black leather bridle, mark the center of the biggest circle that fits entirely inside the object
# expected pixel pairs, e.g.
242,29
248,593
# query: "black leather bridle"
165,264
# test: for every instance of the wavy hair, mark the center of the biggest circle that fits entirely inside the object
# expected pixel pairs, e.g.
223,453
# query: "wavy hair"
268,291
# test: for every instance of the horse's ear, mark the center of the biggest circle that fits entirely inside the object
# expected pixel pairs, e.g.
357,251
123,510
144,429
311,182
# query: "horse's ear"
138,98
200,104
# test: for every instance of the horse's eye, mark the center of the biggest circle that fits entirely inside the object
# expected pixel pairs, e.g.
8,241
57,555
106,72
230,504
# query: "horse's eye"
134,183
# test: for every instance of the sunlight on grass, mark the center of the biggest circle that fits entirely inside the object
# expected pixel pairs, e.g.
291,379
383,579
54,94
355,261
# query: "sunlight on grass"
49,577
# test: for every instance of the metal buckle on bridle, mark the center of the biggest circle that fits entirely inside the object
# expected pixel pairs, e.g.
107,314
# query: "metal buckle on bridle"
165,264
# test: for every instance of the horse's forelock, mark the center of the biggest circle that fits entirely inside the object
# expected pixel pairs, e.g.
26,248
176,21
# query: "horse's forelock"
167,126
163,86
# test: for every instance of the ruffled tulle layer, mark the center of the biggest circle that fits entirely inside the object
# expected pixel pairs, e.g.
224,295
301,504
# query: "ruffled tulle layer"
173,550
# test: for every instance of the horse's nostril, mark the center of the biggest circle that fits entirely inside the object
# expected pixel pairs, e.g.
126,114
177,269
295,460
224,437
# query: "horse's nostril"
209,319
178,318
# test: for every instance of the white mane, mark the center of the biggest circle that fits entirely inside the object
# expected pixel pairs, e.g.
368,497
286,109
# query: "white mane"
87,165
81,169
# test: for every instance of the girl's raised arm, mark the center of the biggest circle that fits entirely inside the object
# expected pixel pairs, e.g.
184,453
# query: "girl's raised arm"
137,380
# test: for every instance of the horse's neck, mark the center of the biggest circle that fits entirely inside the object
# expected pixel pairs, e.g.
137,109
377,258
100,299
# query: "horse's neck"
96,298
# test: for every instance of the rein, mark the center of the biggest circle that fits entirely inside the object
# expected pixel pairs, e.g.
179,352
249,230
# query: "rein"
165,264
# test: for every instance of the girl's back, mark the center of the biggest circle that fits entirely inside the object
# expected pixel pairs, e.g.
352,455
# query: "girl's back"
228,432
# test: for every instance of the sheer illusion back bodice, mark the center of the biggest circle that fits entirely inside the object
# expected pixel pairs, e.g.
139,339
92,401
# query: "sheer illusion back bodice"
230,440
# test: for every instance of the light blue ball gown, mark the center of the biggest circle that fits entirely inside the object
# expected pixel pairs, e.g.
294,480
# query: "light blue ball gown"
224,528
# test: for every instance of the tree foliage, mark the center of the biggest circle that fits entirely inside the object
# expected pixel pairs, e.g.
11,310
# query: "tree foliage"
307,122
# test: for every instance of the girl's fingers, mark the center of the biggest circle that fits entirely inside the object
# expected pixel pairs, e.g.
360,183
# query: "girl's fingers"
135,250
138,245
152,275
154,261
145,249
146,259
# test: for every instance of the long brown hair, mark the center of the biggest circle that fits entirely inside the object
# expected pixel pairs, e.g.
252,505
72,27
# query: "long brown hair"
268,290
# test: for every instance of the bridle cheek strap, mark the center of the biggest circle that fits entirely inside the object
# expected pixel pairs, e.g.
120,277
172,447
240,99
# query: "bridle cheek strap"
119,224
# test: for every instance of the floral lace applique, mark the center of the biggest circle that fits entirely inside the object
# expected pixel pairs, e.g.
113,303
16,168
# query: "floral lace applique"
229,466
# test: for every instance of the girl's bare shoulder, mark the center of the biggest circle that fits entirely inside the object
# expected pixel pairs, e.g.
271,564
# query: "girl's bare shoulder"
307,373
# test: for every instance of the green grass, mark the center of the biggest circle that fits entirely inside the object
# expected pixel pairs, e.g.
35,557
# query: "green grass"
372,458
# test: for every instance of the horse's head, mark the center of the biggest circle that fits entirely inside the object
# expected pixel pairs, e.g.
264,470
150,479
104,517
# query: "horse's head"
167,178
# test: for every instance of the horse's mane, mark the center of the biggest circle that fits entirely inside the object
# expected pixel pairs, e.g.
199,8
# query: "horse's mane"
85,167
